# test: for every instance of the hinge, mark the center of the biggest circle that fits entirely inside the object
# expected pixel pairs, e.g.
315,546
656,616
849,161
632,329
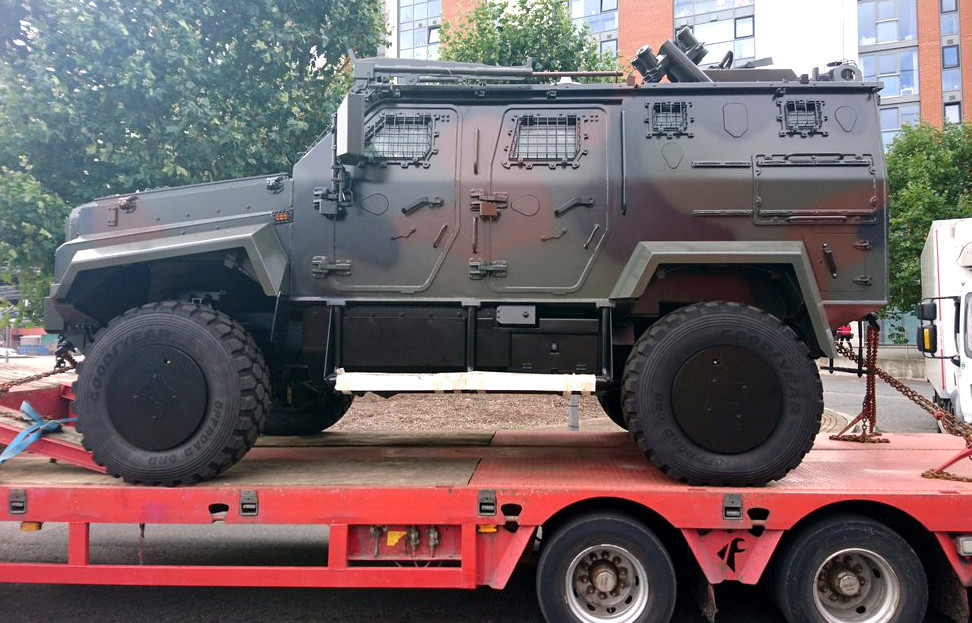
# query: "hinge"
478,269
321,266
112,216
487,204
249,504
17,504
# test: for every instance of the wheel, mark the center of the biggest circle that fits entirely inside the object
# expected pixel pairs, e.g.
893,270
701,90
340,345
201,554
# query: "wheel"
611,403
606,567
722,394
850,569
320,411
171,393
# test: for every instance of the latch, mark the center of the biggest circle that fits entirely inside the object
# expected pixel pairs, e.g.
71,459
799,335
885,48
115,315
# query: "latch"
479,269
863,280
421,202
249,505
487,502
732,506
321,267
17,504
329,204
488,204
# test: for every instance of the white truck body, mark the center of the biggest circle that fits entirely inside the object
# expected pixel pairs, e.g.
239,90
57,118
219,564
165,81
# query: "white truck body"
946,275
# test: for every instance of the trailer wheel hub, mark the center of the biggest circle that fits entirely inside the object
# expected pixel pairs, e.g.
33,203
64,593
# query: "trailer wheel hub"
606,583
856,585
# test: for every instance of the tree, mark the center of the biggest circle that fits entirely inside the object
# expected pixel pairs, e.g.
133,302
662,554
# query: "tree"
542,30
930,179
119,95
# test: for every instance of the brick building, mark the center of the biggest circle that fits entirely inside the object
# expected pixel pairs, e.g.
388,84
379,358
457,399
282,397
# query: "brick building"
918,48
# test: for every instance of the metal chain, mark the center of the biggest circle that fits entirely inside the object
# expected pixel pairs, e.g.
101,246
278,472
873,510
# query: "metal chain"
868,415
63,363
950,424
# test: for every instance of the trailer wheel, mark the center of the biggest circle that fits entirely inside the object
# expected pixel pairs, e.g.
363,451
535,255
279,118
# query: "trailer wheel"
605,567
722,394
611,403
322,412
850,569
171,393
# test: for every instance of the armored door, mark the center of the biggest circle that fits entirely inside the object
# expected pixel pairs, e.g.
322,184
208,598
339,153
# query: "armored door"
543,217
403,218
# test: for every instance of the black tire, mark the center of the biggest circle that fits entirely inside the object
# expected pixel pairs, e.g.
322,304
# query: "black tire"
819,578
722,394
646,589
611,403
171,393
322,411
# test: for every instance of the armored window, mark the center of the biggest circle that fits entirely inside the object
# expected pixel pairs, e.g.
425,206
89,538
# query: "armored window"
546,139
668,118
803,117
399,138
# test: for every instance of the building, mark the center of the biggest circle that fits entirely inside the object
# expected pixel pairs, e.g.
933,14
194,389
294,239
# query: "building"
917,48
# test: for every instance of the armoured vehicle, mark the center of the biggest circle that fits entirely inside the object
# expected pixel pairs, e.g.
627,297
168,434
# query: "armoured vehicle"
683,248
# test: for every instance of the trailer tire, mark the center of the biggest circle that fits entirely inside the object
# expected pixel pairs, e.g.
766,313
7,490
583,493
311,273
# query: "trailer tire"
722,394
323,412
630,563
832,558
171,393
611,403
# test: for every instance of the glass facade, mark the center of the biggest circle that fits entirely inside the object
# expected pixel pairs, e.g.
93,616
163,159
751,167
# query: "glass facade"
897,69
887,21
418,28
723,25
893,117
601,17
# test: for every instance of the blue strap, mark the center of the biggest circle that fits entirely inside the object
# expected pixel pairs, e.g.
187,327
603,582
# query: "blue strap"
29,435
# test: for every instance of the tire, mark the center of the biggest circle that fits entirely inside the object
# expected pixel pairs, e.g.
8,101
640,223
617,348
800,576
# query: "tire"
611,403
171,393
850,569
637,568
324,410
722,394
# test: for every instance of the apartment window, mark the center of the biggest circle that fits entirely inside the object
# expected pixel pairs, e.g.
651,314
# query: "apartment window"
887,21
893,118
952,80
949,5
599,15
950,56
898,70
953,113
609,47
950,24
687,8
418,28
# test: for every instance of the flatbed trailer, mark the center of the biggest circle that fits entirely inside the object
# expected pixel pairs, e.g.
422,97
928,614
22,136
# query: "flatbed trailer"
853,534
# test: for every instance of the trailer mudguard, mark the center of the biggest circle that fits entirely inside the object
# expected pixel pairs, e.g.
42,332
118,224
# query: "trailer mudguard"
647,257
261,244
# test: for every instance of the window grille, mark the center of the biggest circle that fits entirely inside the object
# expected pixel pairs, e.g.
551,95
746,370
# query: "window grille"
802,117
669,118
397,137
546,139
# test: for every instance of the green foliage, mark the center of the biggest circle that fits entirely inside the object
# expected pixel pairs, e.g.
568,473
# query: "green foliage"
29,216
541,30
108,97
930,179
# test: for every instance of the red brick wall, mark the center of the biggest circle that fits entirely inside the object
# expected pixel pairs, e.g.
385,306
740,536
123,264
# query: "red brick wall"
930,61
965,62
643,22
457,11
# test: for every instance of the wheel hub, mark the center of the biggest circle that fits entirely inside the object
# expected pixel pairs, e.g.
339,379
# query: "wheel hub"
606,583
157,397
856,586
727,399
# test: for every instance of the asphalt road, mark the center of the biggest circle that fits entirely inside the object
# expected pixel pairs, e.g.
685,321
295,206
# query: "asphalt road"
237,545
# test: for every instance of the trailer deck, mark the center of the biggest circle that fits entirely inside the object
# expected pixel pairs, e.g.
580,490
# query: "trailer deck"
460,510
